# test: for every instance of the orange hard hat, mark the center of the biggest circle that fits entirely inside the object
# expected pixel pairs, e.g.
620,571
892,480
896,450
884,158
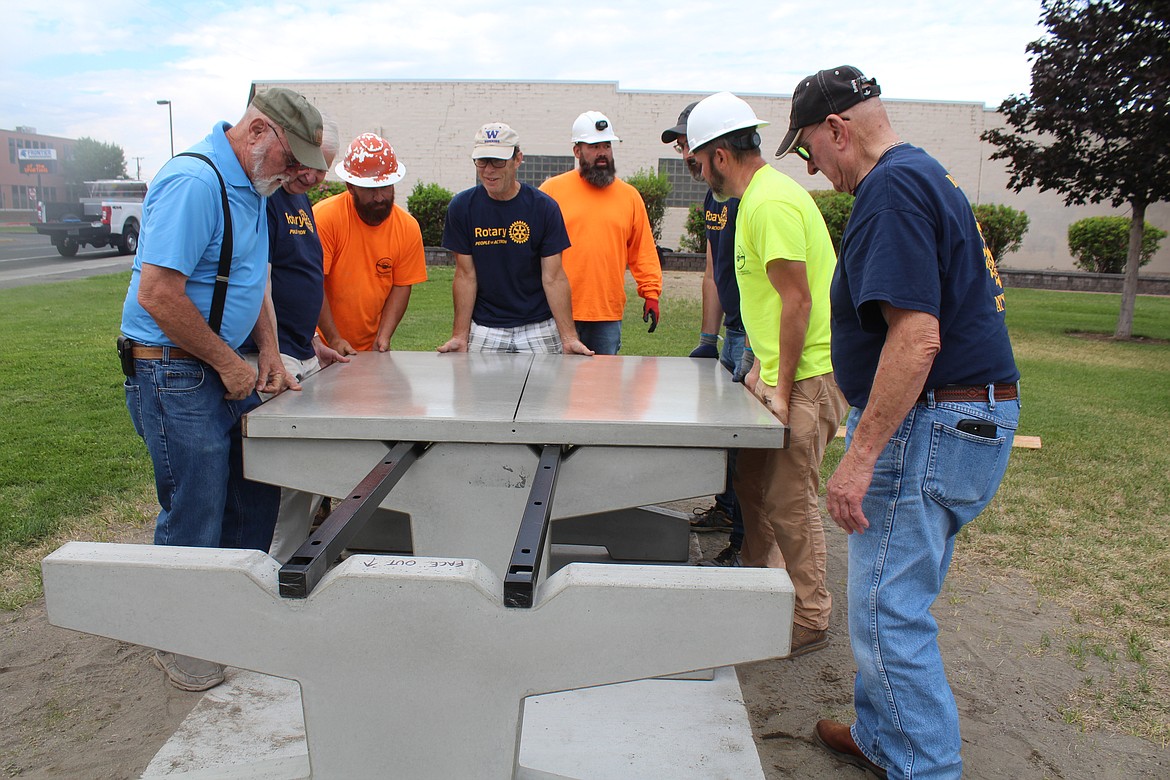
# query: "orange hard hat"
370,162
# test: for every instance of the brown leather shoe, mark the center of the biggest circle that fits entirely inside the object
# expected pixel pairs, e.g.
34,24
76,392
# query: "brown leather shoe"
839,741
806,640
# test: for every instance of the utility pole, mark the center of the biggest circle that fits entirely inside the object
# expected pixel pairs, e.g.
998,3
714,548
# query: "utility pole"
138,163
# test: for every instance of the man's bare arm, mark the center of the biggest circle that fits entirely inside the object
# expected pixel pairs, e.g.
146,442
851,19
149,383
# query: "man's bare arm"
912,342
162,292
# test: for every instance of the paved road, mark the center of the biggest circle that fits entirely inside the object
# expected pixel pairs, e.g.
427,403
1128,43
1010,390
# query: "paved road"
30,259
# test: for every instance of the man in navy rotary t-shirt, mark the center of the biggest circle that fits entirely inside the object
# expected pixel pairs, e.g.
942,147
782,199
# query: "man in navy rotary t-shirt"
921,351
511,293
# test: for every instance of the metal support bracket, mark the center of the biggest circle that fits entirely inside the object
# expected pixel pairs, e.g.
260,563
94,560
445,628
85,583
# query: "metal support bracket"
308,565
524,568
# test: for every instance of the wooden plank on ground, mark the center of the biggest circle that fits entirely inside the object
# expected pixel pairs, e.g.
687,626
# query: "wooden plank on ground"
1023,442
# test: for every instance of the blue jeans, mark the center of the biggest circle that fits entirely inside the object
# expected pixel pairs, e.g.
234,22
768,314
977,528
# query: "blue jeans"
604,338
930,480
193,435
729,357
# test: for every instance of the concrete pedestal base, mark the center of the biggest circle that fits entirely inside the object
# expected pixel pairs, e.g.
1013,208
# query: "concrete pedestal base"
251,727
412,667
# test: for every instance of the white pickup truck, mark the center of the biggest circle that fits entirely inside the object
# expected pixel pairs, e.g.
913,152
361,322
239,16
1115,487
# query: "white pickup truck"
110,215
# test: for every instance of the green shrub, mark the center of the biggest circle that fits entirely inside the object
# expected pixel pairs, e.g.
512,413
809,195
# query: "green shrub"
1100,244
835,208
326,189
1002,226
695,239
428,204
654,189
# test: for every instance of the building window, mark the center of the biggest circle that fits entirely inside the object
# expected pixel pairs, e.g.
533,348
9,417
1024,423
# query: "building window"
684,190
536,168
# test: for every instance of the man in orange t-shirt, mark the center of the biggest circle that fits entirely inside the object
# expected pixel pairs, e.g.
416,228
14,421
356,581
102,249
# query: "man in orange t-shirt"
373,250
607,223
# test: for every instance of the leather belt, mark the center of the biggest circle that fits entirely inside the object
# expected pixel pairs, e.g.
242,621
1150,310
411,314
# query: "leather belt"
970,393
158,353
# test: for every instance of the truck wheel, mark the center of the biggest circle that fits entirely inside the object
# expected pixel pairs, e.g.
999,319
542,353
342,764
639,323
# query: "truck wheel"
129,242
68,247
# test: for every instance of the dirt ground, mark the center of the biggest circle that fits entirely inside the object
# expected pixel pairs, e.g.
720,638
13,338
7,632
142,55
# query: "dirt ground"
79,706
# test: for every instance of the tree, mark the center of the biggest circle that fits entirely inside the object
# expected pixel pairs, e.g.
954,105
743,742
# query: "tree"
695,237
326,189
654,189
1101,244
428,204
1100,80
835,208
95,160
1003,228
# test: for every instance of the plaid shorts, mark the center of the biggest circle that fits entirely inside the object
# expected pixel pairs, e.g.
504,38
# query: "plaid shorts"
541,337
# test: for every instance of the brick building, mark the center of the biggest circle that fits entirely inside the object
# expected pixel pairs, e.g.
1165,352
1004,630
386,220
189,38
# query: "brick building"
431,125
19,178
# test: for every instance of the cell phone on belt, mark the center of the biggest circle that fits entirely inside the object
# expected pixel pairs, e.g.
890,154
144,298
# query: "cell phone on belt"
978,428
126,355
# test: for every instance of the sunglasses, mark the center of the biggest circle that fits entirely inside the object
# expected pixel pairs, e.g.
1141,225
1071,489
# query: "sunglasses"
291,163
801,150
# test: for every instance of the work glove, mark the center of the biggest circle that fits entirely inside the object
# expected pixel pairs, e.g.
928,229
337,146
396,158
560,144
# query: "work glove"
744,367
650,313
707,346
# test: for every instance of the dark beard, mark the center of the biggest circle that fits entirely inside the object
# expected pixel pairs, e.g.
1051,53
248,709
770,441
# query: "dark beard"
598,177
374,214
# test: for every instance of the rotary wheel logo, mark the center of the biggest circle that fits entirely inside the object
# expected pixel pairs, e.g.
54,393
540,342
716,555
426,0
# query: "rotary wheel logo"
519,232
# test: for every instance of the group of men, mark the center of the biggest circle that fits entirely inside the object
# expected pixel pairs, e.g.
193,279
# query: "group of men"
906,327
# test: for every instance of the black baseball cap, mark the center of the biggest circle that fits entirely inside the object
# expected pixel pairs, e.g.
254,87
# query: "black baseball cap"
830,91
679,130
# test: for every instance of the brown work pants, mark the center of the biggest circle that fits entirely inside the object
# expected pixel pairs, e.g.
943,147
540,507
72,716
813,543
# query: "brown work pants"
777,492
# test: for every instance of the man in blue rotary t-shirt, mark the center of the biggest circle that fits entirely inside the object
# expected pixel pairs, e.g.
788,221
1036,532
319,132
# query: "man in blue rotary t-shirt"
295,288
511,293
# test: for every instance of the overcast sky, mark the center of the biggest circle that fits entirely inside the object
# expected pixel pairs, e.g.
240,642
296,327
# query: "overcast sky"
71,68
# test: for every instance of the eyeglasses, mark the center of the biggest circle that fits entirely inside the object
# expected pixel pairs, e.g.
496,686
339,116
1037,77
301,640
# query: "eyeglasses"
681,146
291,163
494,162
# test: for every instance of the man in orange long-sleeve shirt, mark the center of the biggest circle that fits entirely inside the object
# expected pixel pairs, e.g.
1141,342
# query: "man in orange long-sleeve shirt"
607,223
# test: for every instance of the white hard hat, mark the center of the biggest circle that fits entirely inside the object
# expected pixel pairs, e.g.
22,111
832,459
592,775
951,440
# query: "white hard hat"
593,127
717,115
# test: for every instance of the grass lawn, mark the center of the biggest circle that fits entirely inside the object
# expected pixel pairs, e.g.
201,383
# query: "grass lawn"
1084,518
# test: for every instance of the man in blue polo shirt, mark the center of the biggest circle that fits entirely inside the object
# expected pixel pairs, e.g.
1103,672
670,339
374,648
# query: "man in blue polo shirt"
187,385
511,293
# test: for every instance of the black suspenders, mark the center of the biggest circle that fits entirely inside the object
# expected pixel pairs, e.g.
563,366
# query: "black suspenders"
219,294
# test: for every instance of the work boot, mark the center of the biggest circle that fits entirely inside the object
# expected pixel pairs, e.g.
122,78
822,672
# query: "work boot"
187,673
729,557
837,738
806,640
711,519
